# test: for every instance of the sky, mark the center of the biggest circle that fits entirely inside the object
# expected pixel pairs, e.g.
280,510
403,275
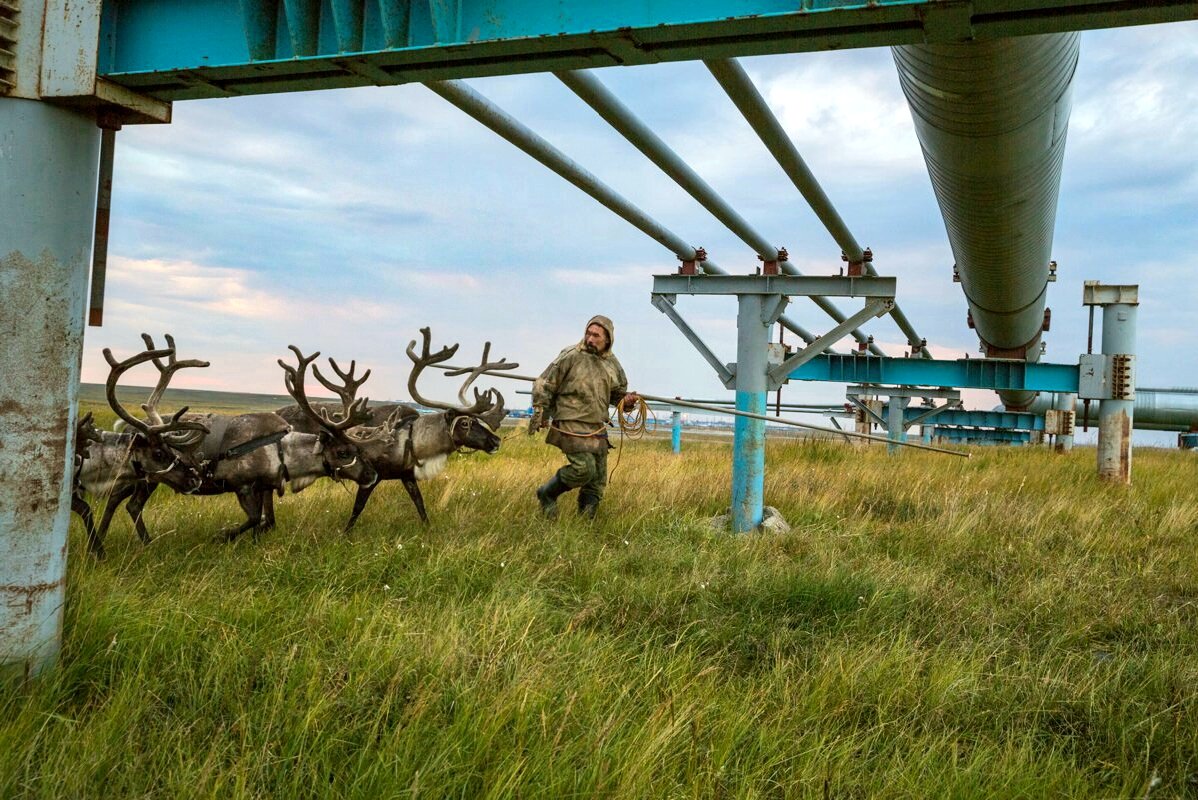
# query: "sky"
344,221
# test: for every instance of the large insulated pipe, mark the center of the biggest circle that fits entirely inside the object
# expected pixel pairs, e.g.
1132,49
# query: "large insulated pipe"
502,123
991,118
592,92
1155,409
744,95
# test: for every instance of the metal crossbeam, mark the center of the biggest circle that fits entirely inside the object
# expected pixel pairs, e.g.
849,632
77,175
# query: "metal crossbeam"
666,306
874,308
1008,420
790,285
981,436
903,391
920,415
213,48
967,373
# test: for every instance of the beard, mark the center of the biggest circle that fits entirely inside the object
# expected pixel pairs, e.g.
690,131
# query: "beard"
590,348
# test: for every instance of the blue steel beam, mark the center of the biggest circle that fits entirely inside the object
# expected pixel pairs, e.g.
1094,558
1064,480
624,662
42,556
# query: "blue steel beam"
186,49
966,373
1009,420
982,436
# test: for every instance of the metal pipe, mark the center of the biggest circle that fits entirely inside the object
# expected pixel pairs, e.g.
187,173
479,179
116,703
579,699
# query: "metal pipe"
619,116
744,95
477,106
1154,409
676,431
991,118
49,163
514,131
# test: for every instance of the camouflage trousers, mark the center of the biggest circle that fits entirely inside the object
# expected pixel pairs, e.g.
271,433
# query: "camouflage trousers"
587,472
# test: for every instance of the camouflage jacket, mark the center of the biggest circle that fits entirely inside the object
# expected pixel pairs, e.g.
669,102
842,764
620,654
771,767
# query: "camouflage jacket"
575,391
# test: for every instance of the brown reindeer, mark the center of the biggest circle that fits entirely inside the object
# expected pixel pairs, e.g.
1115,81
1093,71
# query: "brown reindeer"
113,464
423,442
257,455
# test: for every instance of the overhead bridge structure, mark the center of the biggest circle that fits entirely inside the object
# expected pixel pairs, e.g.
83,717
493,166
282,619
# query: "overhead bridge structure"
988,82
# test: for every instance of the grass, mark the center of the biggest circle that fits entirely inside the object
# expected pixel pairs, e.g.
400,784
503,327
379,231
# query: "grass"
1000,627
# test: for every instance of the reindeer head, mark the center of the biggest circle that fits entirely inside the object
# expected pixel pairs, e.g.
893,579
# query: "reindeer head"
471,425
162,449
342,454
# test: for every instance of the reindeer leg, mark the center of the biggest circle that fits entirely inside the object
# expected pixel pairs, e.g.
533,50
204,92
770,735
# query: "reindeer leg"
80,507
360,500
251,504
268,510
141,494
413,486
114,502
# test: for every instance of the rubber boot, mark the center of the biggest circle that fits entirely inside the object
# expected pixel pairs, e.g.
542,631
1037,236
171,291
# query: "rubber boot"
548,493
588,504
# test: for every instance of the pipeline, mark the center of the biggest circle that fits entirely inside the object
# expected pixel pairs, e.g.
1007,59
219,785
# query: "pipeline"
991,118
752,106
1155,409
592,91
511,129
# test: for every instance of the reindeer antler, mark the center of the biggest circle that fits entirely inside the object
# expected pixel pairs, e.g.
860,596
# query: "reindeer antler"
156,427
486,399
354,410
165,373
424,360
348,391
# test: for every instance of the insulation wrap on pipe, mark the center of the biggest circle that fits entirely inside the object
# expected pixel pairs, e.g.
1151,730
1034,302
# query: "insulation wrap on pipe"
991,118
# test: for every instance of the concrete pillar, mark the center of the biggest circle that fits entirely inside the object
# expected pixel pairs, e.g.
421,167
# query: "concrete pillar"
676,430
1115,416
748,441
48,172
1065,402
896,429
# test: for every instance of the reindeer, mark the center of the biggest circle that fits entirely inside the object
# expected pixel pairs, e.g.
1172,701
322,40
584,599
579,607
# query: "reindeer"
256,455
423,442
114,464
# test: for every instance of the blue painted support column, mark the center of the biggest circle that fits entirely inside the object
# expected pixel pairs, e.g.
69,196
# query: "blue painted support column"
896,429
676,430
926,431
748,442
1115,416
48,171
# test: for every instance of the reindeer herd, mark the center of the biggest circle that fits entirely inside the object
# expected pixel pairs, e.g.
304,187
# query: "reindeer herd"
258,455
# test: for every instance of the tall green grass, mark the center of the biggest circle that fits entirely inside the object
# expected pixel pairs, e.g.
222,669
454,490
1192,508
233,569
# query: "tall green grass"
1000,627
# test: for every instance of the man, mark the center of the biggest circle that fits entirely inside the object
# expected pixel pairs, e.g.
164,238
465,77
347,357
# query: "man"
574,392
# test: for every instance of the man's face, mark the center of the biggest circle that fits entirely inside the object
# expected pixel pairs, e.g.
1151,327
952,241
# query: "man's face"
595,340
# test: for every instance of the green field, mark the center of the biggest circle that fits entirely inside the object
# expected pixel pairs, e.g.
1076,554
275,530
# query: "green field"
1005,626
